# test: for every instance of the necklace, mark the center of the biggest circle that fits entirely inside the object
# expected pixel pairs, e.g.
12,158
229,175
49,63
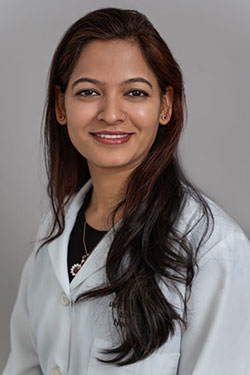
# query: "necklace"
77,266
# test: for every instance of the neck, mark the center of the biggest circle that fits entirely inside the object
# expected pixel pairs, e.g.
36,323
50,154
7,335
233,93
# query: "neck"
108,190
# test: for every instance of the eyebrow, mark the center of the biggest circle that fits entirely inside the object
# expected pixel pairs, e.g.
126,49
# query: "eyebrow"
99,83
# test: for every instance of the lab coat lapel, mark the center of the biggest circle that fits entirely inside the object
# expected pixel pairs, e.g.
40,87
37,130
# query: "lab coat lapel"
58,249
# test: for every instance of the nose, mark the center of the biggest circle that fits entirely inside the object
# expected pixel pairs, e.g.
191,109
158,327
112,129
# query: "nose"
111,110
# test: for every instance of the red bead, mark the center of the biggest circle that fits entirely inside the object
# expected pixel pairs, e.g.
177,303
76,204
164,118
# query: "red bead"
75,268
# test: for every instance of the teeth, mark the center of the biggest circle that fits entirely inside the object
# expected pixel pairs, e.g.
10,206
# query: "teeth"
112,135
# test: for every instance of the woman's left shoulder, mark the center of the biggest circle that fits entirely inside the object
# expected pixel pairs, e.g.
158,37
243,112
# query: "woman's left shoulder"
223,235
218,306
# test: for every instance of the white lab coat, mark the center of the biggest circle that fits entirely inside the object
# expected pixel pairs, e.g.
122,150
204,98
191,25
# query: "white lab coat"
50,334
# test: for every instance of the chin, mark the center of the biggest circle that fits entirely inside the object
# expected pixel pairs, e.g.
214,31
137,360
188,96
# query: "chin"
113,165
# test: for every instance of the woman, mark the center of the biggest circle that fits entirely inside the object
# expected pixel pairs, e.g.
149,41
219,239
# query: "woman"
137,272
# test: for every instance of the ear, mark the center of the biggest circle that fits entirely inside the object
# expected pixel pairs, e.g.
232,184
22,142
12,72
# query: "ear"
59,106
166,106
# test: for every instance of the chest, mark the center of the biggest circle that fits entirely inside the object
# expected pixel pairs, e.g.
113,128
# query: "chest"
72,335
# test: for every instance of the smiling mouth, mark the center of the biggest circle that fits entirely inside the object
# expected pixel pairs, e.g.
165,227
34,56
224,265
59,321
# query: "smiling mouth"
113,138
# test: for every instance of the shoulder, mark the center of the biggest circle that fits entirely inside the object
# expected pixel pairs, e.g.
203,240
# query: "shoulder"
218,304
222,234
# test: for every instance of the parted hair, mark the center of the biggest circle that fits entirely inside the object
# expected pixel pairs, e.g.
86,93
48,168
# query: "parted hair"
155,195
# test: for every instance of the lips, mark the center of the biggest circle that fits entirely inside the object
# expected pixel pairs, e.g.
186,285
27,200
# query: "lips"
110,133
111,138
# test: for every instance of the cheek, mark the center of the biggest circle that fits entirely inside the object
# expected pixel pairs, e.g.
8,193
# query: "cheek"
78,117
143,112
147,111
147,119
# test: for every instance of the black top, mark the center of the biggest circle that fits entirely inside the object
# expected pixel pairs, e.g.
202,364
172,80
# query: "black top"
92,237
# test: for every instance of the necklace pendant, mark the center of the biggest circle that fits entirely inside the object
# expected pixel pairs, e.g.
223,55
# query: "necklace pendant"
75,268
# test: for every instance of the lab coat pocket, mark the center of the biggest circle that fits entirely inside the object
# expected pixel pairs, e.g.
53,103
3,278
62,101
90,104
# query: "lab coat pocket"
158,363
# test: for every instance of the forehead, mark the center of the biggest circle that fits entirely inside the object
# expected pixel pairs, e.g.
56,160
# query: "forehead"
112,61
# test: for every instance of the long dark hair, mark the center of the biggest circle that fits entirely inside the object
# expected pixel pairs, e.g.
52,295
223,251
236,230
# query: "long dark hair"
155,196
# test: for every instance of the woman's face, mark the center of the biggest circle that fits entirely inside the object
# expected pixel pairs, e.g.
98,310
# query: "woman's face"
112,105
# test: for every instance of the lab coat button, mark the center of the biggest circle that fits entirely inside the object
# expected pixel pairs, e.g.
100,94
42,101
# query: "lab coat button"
64,299
55,371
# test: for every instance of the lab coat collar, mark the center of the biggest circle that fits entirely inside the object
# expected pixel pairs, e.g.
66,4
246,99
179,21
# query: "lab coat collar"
58,249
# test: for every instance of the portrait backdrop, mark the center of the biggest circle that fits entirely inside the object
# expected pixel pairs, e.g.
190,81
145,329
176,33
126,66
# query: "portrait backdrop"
210,40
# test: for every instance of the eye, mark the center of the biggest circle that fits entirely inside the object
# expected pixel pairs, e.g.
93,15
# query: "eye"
137,93
87,93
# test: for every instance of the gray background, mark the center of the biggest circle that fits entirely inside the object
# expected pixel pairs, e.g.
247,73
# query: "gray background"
210,40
